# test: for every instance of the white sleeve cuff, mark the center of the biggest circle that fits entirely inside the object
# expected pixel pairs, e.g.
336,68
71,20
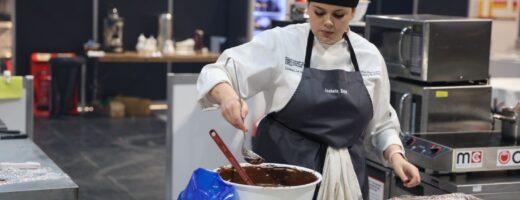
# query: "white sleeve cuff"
383,140
215,76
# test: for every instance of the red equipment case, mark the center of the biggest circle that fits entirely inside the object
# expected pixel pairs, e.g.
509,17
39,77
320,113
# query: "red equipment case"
41,71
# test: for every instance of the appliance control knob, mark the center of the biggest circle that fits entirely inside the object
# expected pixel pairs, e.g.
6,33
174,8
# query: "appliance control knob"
435,149
411,141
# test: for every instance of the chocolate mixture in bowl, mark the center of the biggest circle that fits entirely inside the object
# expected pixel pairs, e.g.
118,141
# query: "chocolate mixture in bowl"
269,176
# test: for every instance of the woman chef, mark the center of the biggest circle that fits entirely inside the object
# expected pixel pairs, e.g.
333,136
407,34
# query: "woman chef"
327,97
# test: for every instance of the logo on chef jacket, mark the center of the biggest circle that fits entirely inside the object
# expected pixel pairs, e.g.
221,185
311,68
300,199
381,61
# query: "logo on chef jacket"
508,157
468,159
293,65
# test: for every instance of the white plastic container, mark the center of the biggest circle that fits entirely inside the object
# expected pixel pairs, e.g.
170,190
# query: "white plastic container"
361,9
300,192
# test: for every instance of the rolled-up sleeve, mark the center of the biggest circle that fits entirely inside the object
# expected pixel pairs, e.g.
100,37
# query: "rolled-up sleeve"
256,64
210,76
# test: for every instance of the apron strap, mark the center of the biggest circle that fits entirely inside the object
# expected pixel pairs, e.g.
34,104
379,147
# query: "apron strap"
308,50
310,44
352,54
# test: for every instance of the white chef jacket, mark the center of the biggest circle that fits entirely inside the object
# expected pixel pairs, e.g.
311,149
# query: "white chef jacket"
273,63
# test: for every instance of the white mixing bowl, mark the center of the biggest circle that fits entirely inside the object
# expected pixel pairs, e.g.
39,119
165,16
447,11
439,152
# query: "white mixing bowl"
300,192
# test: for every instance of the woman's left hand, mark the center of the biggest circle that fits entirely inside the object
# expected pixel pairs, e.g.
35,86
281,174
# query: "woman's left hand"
408,173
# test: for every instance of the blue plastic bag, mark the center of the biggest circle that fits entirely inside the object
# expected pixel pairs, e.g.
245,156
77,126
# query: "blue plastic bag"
208,185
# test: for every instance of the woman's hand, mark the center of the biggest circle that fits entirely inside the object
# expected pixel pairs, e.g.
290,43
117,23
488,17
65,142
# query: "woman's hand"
408,173
230,104
230,108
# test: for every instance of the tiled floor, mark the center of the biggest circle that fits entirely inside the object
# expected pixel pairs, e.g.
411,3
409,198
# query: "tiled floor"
108,158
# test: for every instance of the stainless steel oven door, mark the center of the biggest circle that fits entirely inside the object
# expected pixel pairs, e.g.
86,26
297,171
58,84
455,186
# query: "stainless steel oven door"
438,109
401,47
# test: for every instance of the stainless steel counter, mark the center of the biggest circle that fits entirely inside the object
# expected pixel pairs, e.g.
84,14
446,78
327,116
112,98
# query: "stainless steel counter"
23,150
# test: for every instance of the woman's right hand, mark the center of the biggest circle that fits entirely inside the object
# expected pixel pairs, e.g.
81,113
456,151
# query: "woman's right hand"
231,111
230,103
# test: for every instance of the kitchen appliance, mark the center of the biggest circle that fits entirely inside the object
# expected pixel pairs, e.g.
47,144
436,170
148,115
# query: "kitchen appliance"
482,164
432,48
426,109
113,32
462,152
438,67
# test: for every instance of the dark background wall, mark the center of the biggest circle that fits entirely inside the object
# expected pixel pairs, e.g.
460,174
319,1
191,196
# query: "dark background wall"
390,7
50,26
444,7
65,25
439,7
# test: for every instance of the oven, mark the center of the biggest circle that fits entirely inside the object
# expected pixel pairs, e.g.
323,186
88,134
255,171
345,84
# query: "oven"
432,48
425,109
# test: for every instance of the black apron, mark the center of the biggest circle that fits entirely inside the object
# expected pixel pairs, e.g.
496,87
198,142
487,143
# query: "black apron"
329,108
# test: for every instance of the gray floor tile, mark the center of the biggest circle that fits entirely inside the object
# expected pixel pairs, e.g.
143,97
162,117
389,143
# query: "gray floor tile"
108,158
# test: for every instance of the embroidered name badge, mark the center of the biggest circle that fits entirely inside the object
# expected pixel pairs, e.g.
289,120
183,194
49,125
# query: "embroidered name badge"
293,65
336,91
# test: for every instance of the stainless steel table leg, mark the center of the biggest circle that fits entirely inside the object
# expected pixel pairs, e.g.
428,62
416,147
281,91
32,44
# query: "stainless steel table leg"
168,67
95,82
83,87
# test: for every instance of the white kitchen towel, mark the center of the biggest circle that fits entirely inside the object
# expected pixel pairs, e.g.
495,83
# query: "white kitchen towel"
339,178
